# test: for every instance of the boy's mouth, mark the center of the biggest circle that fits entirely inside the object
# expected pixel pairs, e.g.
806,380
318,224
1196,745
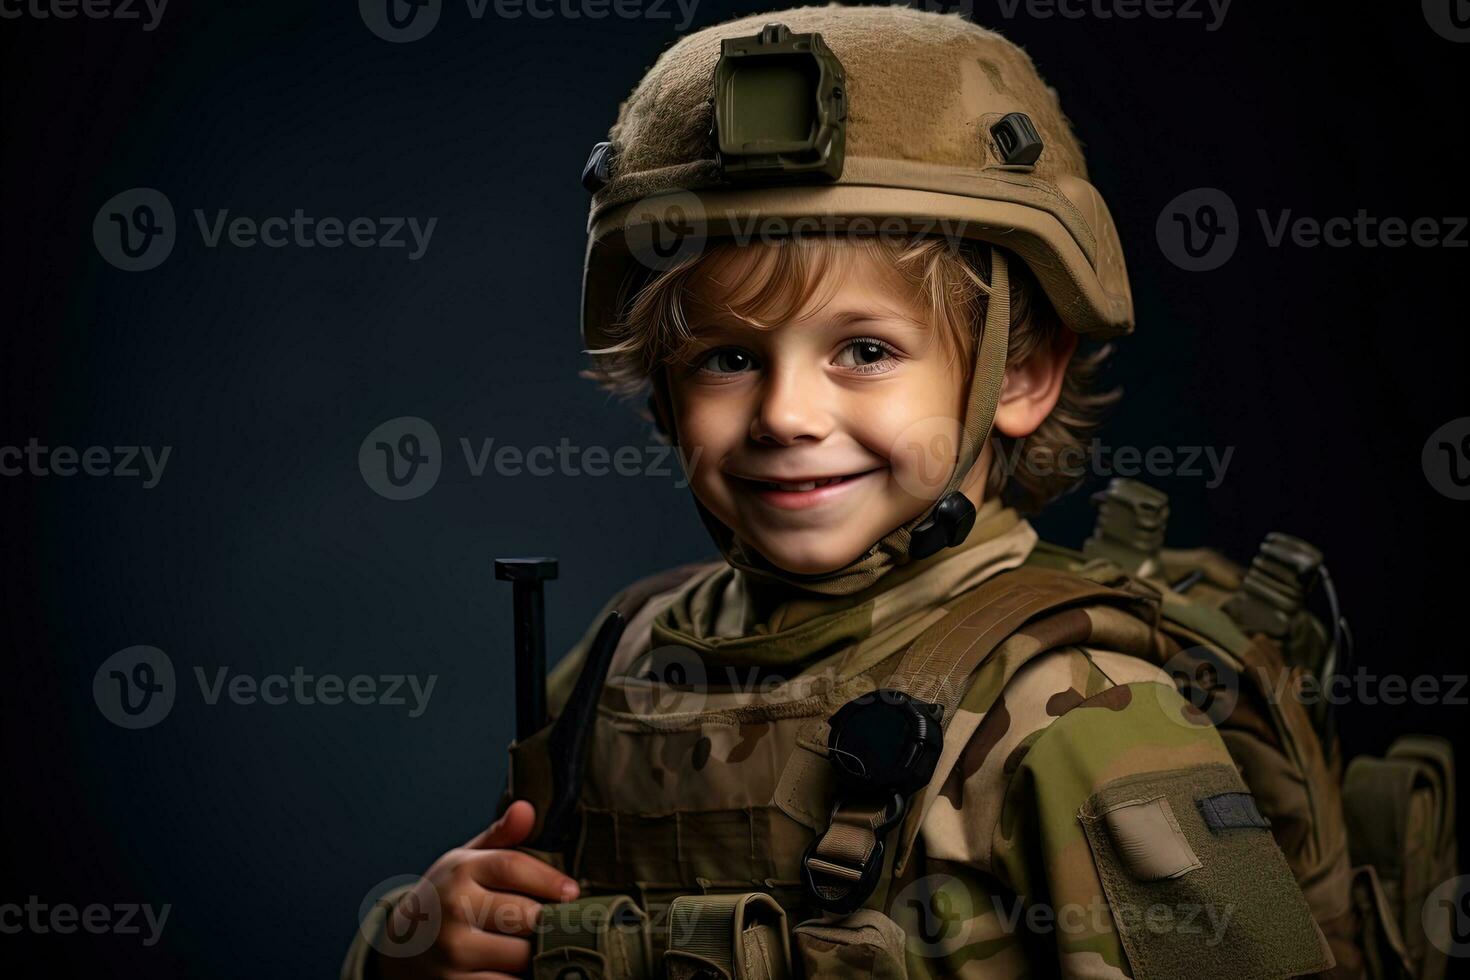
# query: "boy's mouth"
807,491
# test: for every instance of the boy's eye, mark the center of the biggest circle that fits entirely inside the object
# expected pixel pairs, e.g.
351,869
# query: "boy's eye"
866,356
727,360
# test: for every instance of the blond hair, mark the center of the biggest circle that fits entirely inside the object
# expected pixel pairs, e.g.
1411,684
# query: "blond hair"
947,280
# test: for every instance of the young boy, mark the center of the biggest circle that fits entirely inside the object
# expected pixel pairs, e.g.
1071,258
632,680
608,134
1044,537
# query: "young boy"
1029,795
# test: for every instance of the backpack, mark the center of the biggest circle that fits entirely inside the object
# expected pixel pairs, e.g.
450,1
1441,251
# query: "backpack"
1367,847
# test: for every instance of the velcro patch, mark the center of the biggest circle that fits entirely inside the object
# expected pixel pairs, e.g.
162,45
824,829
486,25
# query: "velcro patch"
1148,839
1238,915
1231,811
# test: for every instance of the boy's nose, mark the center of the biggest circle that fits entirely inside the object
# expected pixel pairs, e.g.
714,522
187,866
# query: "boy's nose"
791,409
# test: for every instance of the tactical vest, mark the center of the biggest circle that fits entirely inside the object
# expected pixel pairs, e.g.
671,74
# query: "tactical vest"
702,796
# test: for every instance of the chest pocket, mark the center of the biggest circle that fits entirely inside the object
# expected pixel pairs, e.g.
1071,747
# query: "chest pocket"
684,791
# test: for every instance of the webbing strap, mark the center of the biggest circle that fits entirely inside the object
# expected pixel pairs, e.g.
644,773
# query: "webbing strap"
937,666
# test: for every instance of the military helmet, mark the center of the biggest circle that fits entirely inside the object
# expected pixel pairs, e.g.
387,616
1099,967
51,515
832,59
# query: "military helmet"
839,118
898,114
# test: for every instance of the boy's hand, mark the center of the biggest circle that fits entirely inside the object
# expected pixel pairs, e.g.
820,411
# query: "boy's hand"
489,899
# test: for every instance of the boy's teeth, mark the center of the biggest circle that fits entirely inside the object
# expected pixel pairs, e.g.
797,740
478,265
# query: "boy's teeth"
804,487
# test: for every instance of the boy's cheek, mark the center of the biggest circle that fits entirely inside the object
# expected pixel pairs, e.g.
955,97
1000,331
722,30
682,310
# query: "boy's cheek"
923,454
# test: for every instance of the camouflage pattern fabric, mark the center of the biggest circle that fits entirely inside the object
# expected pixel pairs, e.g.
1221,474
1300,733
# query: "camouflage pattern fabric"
706,771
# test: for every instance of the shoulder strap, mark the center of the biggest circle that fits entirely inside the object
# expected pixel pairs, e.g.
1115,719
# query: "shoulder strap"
937,667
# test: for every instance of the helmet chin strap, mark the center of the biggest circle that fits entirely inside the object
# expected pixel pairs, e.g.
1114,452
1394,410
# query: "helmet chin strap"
945,524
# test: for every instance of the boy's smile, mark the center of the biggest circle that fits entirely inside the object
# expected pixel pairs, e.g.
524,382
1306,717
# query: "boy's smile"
801,431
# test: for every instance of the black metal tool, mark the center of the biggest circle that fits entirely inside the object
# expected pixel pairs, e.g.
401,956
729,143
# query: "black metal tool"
567,744
526,576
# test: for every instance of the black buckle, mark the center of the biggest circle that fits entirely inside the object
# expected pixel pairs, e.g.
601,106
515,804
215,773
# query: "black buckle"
846,897
597,171
885,741
946,527
1017,140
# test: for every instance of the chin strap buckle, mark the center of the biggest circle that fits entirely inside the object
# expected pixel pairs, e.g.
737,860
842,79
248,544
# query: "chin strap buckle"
948,525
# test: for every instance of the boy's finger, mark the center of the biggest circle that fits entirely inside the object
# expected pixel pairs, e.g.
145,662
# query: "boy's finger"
505,912
517,872
513,827
469,950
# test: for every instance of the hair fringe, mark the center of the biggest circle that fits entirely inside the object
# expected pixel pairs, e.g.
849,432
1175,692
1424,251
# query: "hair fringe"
951,280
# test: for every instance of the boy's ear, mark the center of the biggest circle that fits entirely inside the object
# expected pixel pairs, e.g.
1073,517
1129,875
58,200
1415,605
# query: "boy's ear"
1033,386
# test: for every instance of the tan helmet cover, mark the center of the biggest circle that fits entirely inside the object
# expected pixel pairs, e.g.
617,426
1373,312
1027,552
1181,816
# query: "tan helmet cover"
923,91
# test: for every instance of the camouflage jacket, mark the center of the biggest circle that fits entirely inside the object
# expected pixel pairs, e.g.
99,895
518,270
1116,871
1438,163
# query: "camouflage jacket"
692,784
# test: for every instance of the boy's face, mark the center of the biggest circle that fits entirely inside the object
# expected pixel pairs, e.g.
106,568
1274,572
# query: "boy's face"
815,438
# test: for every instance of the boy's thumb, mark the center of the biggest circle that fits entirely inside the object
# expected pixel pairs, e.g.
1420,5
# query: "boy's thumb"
513,827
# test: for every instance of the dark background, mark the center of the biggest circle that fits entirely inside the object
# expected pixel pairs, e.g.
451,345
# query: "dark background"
262,548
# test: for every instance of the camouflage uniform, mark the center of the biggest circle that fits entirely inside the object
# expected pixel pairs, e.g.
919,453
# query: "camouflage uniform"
690,791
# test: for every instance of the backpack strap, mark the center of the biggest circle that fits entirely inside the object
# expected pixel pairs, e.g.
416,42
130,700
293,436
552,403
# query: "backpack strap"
937,668
1401,824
